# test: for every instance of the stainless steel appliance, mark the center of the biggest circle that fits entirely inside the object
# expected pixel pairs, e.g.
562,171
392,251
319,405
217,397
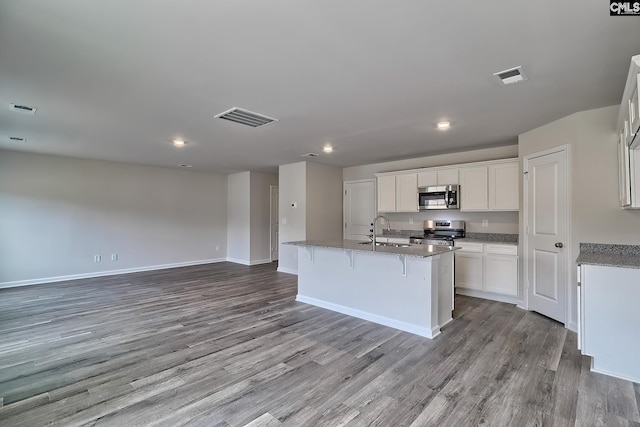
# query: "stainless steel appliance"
441,232
438,197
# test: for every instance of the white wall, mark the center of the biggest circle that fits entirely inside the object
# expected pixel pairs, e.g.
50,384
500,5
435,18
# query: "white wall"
238,217
56,213
369,171
293,183
324,202
260,216
595,212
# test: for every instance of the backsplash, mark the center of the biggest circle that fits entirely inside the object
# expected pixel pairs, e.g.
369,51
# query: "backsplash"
497,222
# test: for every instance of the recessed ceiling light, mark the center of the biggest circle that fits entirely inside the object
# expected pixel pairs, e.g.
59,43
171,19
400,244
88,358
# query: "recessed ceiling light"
443,125
184,165
179,142
327,149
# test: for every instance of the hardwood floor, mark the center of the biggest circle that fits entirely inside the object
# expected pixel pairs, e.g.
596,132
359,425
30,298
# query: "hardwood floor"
226,345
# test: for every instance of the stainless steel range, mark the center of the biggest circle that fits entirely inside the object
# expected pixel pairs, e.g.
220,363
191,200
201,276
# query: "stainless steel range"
441,232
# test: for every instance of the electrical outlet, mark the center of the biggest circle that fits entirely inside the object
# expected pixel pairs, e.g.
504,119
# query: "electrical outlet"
217,248
114,257
485,222
410,221
97,258
284,221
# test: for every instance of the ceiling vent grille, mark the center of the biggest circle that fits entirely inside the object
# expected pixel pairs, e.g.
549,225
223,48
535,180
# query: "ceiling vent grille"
17,139
246,117
25,109
512,75
310,155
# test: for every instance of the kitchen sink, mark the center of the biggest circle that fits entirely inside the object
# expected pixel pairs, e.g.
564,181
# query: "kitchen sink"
394,245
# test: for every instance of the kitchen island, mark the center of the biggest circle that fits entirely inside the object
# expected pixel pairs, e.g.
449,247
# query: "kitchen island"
408,288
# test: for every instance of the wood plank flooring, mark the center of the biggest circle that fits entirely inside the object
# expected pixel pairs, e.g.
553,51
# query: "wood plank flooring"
226,345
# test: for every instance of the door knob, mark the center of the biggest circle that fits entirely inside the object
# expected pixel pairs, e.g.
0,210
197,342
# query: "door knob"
559,245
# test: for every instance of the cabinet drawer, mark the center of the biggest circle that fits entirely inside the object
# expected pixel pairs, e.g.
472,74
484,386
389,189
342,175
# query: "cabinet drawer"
470,247
501,249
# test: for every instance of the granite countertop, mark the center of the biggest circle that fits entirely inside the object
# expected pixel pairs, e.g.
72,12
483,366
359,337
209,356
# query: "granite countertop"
507,239
420,251
625,256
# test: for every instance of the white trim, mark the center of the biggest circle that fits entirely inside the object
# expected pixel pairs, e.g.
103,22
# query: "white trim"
260,261
381,320
566,148
487,295
106,273
612,374
287,270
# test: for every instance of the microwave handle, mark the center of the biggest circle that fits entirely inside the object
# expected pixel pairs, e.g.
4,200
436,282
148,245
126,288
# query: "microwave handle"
447,196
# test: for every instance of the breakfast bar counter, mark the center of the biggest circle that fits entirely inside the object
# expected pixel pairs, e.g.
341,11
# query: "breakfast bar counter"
409,287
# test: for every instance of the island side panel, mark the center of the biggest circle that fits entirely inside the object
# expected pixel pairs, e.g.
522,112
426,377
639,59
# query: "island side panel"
445,285
371,286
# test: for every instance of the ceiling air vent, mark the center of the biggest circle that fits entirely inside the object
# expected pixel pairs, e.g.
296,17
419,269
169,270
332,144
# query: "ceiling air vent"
246,117
17,139
25,109
310,155
512,75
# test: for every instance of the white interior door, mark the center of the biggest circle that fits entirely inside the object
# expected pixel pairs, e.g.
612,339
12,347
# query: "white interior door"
274,195
359,208
546,225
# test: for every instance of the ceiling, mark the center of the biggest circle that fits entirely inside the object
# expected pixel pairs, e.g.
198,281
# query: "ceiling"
119,79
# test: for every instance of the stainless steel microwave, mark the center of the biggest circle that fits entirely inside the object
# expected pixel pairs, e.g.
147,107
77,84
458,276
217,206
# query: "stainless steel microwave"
438,197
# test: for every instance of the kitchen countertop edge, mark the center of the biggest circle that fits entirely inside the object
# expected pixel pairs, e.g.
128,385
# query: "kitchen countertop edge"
417,251
621,256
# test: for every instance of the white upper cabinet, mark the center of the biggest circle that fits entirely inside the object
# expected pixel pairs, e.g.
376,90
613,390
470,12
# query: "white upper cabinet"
490,188
503,187
407,192
438,177
474,188
386,193
398,193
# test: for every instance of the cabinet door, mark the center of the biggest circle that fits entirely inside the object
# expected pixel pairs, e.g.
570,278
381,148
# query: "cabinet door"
468,270
501,274
387,193
503,187
448,176
474,188
624,172
407,192
427,178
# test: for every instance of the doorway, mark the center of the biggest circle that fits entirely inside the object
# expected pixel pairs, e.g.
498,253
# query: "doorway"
359,208
546,233
274,194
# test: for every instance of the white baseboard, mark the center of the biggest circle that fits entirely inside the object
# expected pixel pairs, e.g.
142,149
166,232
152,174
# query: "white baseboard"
245,262
287,270
381,320
612,374
260,261
487,295
42,280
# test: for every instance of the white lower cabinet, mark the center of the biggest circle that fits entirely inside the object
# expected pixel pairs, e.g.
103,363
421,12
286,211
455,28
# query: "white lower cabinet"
487,270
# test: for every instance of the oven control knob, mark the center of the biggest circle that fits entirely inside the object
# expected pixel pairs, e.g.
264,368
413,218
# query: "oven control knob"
559,245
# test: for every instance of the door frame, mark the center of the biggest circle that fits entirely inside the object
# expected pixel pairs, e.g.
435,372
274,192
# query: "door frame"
344,205
566,148
271,188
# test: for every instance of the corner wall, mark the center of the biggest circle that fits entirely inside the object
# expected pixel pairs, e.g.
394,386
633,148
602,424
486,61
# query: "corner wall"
238,217
56,213
596,215
292,180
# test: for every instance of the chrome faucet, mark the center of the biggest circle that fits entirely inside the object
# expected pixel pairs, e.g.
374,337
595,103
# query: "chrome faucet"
373,224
